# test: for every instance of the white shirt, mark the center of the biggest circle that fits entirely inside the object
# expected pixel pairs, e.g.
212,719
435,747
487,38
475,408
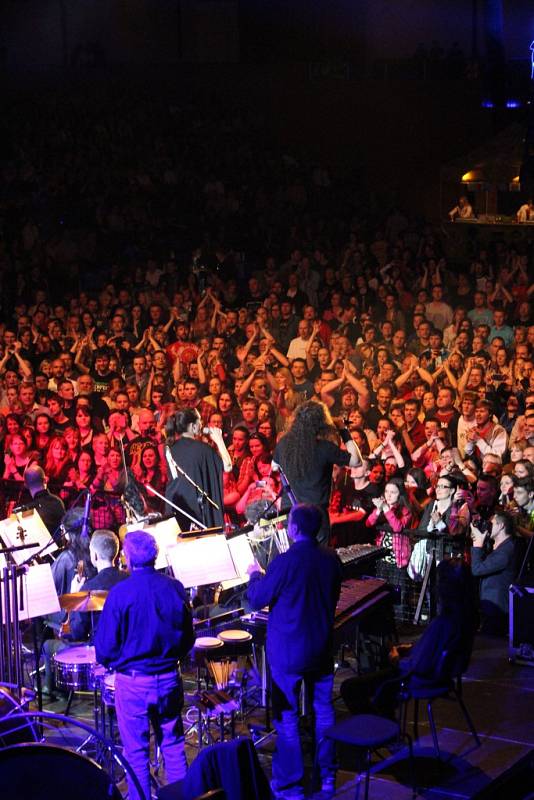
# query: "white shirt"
297,348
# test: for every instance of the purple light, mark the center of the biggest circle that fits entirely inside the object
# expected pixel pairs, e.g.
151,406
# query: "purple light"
513,104
487,104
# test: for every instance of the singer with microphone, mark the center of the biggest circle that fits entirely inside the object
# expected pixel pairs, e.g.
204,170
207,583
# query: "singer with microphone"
306,455
195,469
49,506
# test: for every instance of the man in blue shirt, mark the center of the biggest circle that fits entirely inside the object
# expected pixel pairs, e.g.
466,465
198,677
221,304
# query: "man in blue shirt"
145,628
501,329
301,588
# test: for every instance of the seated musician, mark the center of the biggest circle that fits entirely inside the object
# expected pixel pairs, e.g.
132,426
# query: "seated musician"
50,507
103,552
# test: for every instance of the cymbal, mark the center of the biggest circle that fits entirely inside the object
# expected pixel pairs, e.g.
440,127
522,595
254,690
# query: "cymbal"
84,601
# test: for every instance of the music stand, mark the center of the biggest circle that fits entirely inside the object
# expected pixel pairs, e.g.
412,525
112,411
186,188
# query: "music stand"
24,528
202,561
432,559
25,593
165,532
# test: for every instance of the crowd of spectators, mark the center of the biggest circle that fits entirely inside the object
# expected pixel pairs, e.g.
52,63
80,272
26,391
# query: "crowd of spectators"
154,258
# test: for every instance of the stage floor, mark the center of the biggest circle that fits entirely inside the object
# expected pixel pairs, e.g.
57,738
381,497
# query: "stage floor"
500,699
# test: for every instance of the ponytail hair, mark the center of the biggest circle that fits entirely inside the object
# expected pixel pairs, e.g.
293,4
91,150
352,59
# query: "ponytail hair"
178,423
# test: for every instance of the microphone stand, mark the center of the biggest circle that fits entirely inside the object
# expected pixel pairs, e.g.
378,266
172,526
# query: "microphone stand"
176,508
286,487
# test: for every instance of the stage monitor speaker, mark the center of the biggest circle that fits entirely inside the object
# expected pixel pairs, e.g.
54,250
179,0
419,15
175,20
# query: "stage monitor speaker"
521,631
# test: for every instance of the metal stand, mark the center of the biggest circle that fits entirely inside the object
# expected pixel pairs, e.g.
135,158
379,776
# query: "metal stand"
432,559
10,603
202,495
176,508
10,638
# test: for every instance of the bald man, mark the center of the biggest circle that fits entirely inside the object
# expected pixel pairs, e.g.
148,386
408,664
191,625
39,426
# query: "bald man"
50,507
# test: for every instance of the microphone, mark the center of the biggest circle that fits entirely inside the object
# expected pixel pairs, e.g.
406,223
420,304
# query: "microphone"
25,507
86,512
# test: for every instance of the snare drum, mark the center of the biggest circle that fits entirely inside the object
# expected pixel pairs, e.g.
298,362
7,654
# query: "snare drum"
75,668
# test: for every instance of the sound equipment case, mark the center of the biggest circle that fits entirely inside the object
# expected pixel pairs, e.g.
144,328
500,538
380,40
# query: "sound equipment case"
521,625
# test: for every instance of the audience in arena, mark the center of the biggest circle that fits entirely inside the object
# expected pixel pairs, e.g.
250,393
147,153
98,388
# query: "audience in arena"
143,274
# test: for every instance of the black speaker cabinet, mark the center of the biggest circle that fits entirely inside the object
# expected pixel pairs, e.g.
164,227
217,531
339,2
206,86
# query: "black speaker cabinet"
521,632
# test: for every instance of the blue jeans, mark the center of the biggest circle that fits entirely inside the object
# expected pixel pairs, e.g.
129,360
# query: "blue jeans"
288,768
157,699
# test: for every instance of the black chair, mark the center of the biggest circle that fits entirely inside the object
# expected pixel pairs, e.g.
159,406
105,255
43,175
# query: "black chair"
446,685
370,732
231,767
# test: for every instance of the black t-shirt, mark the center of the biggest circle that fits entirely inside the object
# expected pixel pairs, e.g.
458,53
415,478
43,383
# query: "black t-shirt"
60,426
100,408
305,389
102,381
51,510
315,486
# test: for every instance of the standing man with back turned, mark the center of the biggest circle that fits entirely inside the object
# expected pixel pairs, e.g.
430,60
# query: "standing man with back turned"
307,454
301,588
145,628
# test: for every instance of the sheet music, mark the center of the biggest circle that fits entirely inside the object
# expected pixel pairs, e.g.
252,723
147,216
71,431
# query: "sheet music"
243,558
201,561
26,527
166,535
37,593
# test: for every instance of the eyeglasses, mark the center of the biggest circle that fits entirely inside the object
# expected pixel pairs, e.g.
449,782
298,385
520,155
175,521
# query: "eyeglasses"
443,486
